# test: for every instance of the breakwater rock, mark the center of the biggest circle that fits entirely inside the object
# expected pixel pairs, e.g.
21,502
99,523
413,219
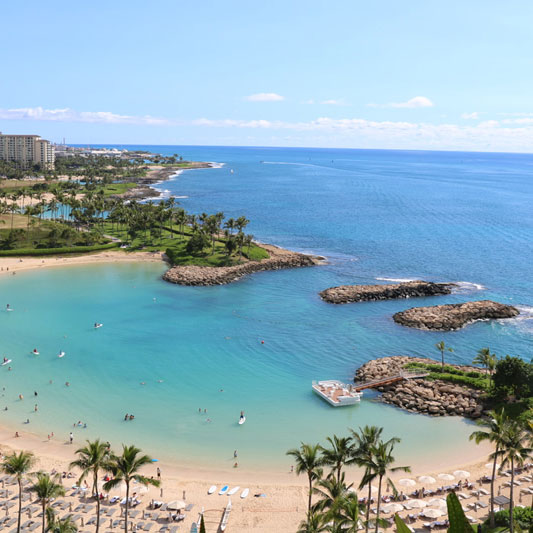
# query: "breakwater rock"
420,395
369,293
453,316
205,276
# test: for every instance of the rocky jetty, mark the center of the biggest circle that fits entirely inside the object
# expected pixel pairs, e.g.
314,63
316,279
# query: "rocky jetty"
370,293
430,397
453,316
205,276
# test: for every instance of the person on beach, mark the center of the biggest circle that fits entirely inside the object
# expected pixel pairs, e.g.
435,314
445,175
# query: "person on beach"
35,408
235,454
158,473
71,437
17,434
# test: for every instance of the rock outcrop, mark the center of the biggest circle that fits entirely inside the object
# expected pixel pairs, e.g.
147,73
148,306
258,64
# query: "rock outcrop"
205,276
369,293
430,397
453,316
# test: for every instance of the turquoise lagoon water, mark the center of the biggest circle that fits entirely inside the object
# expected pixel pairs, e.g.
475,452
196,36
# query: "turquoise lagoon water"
375,214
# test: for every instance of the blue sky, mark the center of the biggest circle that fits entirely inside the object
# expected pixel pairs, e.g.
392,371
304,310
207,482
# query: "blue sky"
420,74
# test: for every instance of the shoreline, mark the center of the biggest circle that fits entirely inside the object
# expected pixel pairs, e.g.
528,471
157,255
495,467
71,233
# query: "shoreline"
283,508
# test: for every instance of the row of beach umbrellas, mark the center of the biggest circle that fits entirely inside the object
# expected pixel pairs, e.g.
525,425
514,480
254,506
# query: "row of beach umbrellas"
428,480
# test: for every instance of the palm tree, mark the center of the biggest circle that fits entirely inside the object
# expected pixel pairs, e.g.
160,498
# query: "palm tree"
382,464
514,452
125,468
339,455
350,513
18,464
91,460
365,442
441,347
495,430
308,461
331,493
486,359
314,523
46,488
59,525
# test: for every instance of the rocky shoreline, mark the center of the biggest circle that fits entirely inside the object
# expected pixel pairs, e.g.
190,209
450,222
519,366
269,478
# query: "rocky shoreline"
192,275
145,188
371,293
420,395
453,316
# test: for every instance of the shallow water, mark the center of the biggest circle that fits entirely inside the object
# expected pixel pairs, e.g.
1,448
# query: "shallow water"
375,215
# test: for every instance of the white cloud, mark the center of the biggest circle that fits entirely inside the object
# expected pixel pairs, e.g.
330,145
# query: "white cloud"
308,102
471,116
333,101
69,115
489,135
265,97
417,101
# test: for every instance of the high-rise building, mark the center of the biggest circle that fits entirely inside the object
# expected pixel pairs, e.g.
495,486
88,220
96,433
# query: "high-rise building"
27,150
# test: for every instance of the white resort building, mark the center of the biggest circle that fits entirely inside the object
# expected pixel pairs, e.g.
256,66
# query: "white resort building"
27,150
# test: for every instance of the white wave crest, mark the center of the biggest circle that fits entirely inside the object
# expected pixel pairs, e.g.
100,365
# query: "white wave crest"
468,286
214,164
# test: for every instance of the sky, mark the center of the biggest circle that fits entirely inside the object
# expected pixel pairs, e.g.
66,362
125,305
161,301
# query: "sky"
403,74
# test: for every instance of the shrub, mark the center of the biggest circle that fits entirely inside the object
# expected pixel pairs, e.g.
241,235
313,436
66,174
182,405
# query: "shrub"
523,516
57,251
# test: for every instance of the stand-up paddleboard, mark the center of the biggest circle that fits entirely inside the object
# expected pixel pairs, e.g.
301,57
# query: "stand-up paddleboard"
245,493
9,309
212,489
233,490
6,362
223,490
98,326
61,354
242,420
34,352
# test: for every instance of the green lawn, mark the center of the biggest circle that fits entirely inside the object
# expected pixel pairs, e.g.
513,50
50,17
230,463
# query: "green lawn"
115,188
178,243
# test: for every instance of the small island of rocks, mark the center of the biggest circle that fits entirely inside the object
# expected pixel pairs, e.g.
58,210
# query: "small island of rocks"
370,293
453,316
433,397
278,259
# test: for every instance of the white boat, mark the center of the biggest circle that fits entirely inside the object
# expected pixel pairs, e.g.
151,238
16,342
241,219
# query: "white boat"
61,354
225,516
35,352
212,489
6,362
337,393
242,420
245,493
223,490
96,326
233,490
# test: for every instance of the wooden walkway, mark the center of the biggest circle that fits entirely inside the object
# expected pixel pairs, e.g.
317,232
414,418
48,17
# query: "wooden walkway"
389,380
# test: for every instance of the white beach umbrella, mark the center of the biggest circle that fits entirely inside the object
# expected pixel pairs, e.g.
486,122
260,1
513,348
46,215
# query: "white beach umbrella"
433,513
446,477
490,465
407,482
393,508
437,502
415,504
176,505
461,474
427,480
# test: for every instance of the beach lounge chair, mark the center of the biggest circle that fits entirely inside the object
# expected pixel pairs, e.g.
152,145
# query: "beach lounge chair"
133,514
164,507
111,511
174,529
155,516
88,508
139,525
91,521
117,522
34,526
11,521
148,526
482,504
189,507
26,524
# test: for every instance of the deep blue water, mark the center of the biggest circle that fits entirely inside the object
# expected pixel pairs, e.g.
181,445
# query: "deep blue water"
375,215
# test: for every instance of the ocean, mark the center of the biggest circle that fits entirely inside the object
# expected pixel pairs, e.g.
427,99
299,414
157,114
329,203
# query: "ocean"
167,353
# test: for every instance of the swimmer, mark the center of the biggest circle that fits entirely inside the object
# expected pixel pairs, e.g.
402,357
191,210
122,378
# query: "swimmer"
143,382
67,383
235,465
35,408
21,397
35,351
35,393
126,416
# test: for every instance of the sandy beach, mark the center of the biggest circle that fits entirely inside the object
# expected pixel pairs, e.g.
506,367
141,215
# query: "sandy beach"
281,509
12,265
